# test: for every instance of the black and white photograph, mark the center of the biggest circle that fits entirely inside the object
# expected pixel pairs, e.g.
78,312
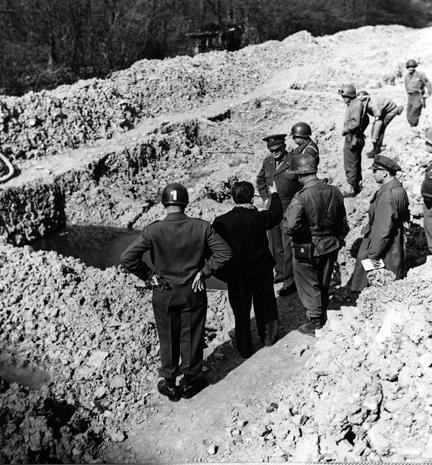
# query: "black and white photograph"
215,231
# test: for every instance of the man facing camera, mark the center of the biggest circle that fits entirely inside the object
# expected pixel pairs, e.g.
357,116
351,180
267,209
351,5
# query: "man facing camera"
250,273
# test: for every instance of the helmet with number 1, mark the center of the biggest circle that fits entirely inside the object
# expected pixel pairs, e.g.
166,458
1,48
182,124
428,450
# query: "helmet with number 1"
175,194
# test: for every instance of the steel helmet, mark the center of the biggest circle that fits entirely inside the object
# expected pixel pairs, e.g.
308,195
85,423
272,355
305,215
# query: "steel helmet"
411,64
348,91
363,95
304,163
175,194
301,130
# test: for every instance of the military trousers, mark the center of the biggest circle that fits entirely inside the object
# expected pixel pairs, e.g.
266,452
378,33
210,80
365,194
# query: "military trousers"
427,223
379,127
313,281
180,315
281,248
414,108
243,289
352,161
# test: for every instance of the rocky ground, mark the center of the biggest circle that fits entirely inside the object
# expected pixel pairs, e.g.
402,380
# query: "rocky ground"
79,353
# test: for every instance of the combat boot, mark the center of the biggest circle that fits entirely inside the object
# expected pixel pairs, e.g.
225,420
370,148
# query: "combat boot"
168,388
375,151
192,386
310,327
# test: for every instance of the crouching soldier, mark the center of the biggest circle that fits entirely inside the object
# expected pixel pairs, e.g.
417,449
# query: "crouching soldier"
316,220
250,273
383,110
178,246
384,233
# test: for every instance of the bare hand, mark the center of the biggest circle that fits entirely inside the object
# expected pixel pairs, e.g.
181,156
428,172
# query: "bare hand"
272,188
198,283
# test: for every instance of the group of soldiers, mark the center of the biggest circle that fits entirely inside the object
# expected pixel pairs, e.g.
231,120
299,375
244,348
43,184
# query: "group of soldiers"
294,240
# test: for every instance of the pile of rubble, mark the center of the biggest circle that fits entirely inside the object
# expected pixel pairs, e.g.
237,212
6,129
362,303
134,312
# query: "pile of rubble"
71,116
365,393
78,355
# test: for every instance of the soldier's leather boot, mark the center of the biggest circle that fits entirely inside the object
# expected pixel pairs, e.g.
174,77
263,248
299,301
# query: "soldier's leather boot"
192,386
168,388
310,327
375,151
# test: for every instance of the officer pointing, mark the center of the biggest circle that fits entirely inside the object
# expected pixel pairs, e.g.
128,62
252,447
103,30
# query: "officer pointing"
178,245
276,169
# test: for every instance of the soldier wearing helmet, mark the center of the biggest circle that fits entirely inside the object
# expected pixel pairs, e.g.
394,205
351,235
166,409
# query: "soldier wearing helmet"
301,134
178,245
383,110
316,221
276,170
356,121
415,84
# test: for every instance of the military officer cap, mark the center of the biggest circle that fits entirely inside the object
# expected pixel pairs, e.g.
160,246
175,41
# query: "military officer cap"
274,141
386,163
428,136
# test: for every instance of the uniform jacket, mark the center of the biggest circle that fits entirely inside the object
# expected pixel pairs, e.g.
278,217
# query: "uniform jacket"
426,188
308,147
384,232
416,82
317,214
244,229
379,106
178,247
356,119
286,181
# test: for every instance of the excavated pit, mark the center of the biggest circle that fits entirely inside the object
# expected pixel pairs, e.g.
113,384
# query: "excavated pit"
85,330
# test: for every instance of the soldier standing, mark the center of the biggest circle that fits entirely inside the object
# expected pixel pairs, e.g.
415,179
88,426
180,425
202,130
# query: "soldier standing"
415,84
301,134
426,191
178,246
276,169
316,221
383,110
250,273
384,233
356,121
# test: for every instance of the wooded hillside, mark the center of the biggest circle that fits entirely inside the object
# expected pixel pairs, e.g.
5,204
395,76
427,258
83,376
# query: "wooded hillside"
44,43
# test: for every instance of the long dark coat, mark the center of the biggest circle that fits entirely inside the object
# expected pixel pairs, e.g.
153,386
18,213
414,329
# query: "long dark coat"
384,233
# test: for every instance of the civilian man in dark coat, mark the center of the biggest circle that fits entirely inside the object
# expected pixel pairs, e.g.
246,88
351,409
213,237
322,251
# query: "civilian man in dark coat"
276,169
384,233
356,121
316,221
250,273
426,191
178,246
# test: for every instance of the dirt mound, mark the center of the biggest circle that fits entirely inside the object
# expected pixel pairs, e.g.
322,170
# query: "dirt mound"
71,116
78,355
